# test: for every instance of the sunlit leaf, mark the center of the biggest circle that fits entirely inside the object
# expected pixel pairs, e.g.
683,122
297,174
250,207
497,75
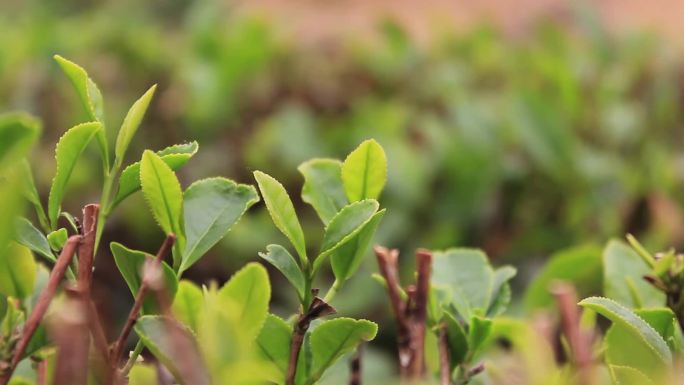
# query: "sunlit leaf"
279,257
130,124
364,172
323,188
249,293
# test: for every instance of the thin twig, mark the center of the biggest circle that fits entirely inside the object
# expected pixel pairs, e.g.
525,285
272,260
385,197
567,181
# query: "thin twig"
117,351
580,343
444,358
43,303
424,269
355,367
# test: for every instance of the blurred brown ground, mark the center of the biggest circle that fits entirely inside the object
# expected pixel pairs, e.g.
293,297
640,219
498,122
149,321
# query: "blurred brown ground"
323,21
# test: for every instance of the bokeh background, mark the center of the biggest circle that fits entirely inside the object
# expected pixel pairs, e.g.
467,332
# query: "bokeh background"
522,128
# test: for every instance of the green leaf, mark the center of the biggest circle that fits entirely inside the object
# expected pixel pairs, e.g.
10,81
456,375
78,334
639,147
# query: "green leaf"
624,375
187,305
579,265
364,172
131,263
164,198
67,153
249,292
456,338
174,156
17,271
274,346
333,338
478,331
142,374
501,292
344,226
211,207
468,273
130,124
57,238
279,257
175,347
664,321
90,96
31,193
632,323
623,272
3,307
345,261
282,211
31,237
323,188
18,132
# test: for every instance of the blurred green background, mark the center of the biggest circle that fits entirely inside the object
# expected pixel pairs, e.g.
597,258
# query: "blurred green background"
561,130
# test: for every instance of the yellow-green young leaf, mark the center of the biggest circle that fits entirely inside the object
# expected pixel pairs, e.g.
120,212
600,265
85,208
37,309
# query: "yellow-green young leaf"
3,307
625,375
282,211
274,346
456,339
130,124
249,293
90,96
580,265
323,188
31,237
211,207
131,263
478,332
57,238
333,338
631,323
623,272
18,132
67,153
501,290
364,172
142,374
347,258
187,305
468,273
344,226
17,271
279,257
164,197
175,347
174,156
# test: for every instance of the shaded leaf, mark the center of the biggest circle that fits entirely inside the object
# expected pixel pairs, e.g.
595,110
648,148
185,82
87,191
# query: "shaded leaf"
31,237
364,171
478,332
18,132
279,257
323,188
456,338
274,345
501,290
17,271
623,272
345,261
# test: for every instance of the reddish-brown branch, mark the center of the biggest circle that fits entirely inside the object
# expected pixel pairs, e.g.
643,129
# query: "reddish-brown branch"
355,367
43,303
444,358
580,342
67,327
117,351
424,269
41,372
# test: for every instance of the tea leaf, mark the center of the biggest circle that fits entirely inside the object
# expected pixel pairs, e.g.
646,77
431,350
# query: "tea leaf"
624,375
501,292
249,292
623,272
131,263
479,330
274,345
279,257
130,124
282,211
187,304
345,261
323,188
333,338
174,156
31,237
456,338
211,207
364,172
18,132
17,271
344,226
69,149
57,238
632,323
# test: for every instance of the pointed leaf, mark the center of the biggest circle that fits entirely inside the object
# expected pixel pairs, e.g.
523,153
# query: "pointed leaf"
623,272
249,291
17,271
31,237
279,257
323,188
187,305
175,347
174,156
501,290
274,345
130,124
57,238
282,211
479,330
333,338
67,153
345,261
457,340
626,319
364,172
211,207
130,263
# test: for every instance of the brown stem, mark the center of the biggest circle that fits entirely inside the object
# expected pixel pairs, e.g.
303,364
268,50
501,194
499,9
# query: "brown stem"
43,303
424,267
317,309
100,342
41,372
117,351
71,367
444,359
355,367
580,343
